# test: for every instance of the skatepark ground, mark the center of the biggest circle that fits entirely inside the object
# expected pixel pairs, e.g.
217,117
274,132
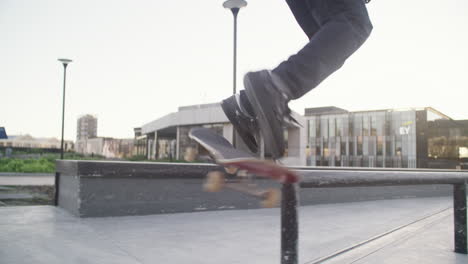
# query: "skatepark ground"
417,230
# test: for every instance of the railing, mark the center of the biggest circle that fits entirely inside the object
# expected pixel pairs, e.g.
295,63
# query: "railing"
349,177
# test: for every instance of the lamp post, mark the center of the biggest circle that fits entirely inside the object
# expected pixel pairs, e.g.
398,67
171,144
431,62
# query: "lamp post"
65,63
235,6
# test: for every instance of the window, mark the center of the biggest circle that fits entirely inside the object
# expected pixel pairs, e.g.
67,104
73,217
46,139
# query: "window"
351,148
380,145
388,147
324,126
332,127
311,131
365,126
339,126
357,125
359,146
373,125
343,148
326,150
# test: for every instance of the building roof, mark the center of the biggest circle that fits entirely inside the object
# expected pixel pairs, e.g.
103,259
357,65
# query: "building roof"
188,115
326,110
333,110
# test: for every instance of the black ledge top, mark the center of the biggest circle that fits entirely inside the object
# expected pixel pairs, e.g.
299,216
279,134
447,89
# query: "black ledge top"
124,169
310,176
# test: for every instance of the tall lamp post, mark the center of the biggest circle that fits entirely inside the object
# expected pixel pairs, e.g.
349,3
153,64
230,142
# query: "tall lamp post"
65,63
235,6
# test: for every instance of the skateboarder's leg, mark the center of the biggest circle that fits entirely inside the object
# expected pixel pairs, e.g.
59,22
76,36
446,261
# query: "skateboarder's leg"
304,17
344,26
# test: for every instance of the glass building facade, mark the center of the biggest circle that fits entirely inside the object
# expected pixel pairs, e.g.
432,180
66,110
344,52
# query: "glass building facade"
382,138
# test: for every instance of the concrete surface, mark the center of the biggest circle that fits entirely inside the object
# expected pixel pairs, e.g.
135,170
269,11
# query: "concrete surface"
13,196
46,234
27,179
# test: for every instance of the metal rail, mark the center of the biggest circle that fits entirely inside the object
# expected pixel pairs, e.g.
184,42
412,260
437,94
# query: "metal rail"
353,177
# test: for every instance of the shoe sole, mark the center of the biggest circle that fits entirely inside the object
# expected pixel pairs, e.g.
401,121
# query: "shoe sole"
265,125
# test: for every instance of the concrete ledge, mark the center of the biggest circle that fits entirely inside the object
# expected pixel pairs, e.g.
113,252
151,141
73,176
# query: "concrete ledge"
111,188
97,188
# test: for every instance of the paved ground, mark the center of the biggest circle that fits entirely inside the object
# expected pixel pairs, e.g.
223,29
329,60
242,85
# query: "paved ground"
27,179
45,234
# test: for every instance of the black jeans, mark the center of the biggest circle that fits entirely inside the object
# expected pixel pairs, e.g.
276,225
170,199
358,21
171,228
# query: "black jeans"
335,28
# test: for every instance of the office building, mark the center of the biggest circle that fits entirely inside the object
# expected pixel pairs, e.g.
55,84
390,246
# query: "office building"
390,138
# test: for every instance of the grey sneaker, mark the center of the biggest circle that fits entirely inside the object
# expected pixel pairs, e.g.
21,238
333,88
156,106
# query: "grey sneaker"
270,106
237,110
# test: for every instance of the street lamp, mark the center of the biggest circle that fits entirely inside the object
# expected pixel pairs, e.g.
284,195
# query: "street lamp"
235,6
65,63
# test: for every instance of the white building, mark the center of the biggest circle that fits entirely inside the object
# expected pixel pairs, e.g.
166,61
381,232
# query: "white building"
167,137
27,141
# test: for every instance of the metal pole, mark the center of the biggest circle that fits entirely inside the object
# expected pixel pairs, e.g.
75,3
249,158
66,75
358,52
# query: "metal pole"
57,182
459,217
289,224
235,11
57,175
63,107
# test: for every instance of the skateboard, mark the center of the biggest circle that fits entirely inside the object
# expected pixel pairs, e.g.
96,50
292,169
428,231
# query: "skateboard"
241,165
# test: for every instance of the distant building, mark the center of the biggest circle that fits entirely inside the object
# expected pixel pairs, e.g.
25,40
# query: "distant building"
3,134
86,127
29,142
111,148
88,143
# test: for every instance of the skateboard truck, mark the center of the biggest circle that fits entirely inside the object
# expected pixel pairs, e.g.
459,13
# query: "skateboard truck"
216,181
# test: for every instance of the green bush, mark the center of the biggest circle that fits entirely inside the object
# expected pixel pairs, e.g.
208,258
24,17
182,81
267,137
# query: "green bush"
46,163
27,165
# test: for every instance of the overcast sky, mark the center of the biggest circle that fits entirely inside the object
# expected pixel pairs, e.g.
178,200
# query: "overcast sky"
136,61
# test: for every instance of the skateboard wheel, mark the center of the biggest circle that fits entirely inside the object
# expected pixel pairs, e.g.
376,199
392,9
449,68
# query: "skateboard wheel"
190,154
214,181
243,173
231,170
271,198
